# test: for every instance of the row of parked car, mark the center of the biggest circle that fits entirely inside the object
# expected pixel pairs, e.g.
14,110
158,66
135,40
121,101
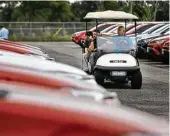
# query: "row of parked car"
152,38
40,96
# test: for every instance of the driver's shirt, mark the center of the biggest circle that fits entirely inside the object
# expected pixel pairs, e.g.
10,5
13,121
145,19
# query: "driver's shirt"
122,43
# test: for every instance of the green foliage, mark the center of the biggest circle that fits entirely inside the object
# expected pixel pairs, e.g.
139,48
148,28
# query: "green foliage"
60,11
48,38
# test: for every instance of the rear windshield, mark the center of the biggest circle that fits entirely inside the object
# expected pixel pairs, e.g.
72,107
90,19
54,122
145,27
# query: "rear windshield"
104,27
155,28
142,29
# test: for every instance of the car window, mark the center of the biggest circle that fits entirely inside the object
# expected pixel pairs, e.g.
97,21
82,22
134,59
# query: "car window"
154,28
129,27
160,29
104,27
140,30
166,30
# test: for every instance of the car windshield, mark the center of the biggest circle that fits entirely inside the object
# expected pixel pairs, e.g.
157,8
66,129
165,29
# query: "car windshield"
152,29
159,30
116,44
128,27
101,27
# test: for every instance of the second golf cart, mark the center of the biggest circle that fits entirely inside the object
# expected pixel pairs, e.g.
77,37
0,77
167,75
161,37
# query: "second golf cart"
117,59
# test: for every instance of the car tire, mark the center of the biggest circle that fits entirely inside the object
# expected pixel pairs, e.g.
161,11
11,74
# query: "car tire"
136,81
99,77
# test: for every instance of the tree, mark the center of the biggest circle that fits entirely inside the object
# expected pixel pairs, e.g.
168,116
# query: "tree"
80,9
156,8
8,9
61,11
64,11
163,11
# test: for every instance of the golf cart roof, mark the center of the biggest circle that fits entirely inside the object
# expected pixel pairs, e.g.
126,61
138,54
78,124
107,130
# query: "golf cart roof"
109,14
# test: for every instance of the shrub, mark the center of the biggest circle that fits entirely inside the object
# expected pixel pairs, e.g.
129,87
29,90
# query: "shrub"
46,38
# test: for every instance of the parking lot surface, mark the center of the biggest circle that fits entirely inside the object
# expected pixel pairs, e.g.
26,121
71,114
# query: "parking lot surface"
153,97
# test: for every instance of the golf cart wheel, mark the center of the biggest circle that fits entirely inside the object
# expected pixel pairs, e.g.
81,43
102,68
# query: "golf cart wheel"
99,77
136,81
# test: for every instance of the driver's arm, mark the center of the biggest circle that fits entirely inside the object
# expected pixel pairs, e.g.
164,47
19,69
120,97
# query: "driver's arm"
91,46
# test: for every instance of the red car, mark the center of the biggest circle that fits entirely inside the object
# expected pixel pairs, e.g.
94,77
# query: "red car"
154,47
31,113
14,74
19,44
34,77
166,51
22,46
76,37
21,50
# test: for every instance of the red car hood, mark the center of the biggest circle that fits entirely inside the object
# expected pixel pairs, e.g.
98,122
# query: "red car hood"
20,49
18,43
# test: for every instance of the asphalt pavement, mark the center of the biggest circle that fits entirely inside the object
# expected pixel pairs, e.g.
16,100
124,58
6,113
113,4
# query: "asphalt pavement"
153,97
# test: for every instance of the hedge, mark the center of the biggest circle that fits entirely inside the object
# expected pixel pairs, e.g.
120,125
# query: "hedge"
41,38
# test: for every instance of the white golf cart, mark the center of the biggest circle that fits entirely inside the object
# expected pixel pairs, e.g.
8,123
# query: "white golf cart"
116,61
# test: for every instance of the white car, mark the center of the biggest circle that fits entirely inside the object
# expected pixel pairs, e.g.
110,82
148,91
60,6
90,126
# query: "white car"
155,33
152,29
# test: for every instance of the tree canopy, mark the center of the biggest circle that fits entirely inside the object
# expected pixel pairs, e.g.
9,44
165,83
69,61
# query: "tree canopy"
63,11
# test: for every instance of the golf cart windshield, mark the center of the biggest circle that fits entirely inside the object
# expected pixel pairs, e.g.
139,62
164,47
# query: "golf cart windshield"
116,44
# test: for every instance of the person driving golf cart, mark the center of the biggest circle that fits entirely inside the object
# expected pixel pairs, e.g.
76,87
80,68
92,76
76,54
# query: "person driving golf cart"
90,52
121,31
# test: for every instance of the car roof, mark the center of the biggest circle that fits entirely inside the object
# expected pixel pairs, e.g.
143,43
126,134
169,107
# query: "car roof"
161,29
109,14
155,27
20,50
15,54
18,43
68,111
